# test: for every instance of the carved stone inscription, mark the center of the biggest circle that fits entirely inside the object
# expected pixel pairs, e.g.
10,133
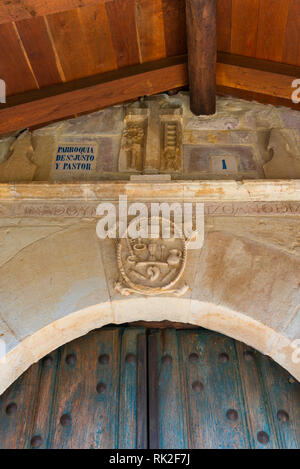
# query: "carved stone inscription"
88,209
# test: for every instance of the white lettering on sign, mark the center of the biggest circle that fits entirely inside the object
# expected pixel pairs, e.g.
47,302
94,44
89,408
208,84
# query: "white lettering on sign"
73,157
296,93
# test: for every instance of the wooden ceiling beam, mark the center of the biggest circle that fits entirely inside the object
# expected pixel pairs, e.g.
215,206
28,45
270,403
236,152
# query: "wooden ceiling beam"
88,94
201,20
26,9
235,76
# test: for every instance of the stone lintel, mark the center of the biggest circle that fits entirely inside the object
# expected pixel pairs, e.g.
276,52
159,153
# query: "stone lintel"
195,191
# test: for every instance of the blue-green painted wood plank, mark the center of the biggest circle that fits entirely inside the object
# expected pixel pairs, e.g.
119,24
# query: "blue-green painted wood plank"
210,367
283,393
44,401
173,428
259,416
127,424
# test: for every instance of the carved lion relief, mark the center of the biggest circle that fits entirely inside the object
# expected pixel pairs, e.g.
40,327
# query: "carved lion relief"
151,266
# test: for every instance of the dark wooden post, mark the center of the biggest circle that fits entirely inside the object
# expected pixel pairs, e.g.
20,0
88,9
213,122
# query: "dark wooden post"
201,19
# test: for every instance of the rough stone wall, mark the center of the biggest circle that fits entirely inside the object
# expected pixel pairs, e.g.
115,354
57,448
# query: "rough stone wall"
159,135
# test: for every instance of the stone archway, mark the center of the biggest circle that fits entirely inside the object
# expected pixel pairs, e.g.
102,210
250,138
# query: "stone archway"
57,283
210,316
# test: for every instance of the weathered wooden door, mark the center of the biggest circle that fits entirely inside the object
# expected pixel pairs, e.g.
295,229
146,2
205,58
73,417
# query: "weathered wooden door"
128,387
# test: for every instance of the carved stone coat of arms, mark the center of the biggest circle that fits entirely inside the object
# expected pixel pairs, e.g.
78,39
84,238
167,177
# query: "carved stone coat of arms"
151,266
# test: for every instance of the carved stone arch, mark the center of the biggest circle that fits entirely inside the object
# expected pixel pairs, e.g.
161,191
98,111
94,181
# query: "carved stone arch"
210,316
57,284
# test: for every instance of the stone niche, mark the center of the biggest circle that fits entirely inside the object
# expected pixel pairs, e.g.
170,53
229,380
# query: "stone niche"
159,135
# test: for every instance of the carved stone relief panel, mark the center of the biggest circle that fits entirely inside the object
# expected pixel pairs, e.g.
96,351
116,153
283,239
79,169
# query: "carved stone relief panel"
133,142
171,144
150,266
152,138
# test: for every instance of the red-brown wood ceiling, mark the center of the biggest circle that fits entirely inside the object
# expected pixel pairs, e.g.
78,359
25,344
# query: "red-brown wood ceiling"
60,47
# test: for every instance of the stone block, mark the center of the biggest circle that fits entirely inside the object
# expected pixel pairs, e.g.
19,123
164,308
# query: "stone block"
51,278
248,277
18,167
5,144
219,160
284,150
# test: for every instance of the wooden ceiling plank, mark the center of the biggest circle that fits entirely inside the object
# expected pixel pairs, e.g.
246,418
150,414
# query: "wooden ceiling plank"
272,23
95,28
83,42
291,52
123,33
149,19
201,17
224,15
25,9
244,27
174,27
41,57
71,44
14,67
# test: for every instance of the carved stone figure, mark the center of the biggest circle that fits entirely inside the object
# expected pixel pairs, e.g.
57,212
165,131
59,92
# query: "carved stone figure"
133,142
133,145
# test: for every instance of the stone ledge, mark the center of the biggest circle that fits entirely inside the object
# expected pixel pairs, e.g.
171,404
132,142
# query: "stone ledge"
241,191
